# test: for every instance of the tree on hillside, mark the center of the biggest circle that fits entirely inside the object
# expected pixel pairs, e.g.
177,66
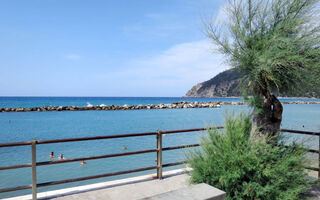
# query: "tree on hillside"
275,43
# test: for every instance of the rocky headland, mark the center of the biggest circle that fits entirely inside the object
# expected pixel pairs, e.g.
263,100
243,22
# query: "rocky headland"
175,105
227,84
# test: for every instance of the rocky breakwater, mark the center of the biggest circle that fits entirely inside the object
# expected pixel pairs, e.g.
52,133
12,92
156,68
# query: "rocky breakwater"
175,105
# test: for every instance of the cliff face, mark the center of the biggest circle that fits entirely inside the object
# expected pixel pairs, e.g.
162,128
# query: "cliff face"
224,84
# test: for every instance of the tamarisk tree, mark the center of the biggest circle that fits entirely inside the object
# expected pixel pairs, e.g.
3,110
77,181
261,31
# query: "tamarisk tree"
275,43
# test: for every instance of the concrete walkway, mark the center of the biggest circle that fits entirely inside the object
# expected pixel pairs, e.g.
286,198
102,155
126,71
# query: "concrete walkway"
132,190
129,188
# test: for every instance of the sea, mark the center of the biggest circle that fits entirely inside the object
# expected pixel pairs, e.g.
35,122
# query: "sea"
25,126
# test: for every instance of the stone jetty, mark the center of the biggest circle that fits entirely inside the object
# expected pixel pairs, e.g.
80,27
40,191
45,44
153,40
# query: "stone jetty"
175,105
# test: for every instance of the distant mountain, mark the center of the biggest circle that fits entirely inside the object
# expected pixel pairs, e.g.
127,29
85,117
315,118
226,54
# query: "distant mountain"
226,83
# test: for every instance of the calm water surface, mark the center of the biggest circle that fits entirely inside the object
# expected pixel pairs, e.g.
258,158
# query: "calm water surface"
53,125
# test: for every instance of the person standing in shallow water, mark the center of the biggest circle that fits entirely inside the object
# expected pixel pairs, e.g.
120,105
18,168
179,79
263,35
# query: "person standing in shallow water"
51,155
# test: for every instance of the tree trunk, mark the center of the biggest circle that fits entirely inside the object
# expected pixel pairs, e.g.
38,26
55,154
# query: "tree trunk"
268,122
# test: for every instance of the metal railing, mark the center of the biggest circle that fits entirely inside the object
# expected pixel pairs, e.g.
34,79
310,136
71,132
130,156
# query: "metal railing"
159,149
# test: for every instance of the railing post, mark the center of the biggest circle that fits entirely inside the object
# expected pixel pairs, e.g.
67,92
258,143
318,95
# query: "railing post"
34,169
159,155
319,158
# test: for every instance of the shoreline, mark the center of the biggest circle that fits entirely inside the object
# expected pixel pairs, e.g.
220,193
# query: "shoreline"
174,105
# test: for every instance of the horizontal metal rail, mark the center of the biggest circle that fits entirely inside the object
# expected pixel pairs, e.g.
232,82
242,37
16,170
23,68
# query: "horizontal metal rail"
79,159
78,139
95,157
14,144
135,135
77,179
15,188
100,137
313,168
309,150
15,166
89,177
189,130
96,138
174,164
95,176
312,150
180,147
300,132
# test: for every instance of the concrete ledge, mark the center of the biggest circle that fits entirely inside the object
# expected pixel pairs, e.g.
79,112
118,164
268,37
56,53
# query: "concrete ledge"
194,192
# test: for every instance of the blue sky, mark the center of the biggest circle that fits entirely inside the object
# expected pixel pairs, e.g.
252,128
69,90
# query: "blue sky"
105,48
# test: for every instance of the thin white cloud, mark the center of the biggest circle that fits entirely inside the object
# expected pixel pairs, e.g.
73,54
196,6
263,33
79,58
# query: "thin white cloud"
190,62
173,71
73,57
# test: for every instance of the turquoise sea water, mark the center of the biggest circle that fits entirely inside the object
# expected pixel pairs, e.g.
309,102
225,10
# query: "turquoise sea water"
25,126
27,102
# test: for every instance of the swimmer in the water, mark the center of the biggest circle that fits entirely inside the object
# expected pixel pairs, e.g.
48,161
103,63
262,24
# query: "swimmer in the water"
124,147
61,156
51,155
83,163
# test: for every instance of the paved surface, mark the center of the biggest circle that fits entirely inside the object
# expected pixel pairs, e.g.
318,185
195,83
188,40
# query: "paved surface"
135,190
313,193
200,191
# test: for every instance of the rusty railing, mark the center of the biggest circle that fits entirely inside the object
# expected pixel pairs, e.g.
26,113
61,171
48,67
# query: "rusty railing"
159,149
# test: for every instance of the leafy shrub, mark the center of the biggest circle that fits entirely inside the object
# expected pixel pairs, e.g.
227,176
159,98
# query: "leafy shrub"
247,168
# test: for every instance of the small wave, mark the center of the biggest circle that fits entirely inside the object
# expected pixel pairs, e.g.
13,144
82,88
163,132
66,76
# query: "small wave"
89,105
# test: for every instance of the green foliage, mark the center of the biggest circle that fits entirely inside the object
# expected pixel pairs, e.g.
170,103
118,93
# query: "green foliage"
255,101
246,168
276,43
